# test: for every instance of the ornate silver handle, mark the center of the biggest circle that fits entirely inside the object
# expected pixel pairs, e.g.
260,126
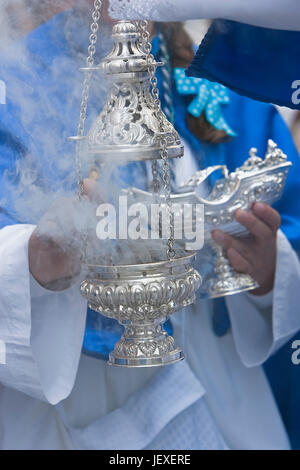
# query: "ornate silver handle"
200,176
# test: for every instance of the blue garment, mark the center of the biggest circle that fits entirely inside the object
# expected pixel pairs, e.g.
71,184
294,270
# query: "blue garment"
209,98
257,62
284,377
42,111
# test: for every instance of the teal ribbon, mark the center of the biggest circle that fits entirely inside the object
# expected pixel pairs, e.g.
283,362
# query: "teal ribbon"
209,98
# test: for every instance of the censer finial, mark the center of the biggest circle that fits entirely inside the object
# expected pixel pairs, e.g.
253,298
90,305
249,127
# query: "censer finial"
129,127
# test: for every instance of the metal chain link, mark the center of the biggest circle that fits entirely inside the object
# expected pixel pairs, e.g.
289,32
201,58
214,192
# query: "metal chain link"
83,110
85,94
146,45
167,105
145,38
167,78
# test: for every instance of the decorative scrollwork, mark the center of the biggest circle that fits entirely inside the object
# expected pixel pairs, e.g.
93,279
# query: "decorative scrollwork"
143,300
142,304
145,349
263,188
130,125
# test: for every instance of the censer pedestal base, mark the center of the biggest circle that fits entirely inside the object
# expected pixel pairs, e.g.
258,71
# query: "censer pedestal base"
231,286
145,345
226,280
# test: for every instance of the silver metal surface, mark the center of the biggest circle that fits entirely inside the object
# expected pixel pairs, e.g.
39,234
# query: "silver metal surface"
130,126
141,297
133,127
146,44
256,180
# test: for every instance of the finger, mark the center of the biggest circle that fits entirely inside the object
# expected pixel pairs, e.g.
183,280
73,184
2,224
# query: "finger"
222,239
227,242
92,189
268,215
238,262
89,186
259,229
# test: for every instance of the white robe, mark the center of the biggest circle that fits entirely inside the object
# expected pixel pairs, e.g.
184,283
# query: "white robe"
53,397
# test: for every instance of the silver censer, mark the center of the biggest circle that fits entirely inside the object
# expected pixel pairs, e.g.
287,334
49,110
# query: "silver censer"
132,127
256,180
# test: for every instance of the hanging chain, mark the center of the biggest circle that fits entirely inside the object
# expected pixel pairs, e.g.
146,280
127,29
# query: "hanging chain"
167,105
145,39
147,47
85,93
83,109
167,78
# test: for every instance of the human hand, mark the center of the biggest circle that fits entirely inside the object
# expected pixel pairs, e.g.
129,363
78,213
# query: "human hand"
54,249
256,254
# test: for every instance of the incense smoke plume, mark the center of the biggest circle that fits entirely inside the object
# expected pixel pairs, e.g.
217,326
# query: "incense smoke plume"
40,70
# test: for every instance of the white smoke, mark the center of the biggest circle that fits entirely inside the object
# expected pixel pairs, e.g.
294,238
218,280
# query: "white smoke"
43,87
19,17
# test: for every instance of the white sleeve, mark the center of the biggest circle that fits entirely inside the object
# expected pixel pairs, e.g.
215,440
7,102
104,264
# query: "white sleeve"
261,325
280,14
42,331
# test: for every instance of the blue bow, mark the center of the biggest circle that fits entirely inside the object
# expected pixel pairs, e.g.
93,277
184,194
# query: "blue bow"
209,97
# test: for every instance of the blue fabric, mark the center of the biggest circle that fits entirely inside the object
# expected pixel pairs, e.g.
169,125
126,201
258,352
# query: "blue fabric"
100,336
257,62
220,320
209,97
53,84
284,378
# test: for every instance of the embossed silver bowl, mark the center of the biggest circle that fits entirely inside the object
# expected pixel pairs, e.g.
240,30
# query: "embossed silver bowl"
141,297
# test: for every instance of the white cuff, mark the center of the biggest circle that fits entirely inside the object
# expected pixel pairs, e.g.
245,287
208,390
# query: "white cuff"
36,289
260,327
261,301
42,330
